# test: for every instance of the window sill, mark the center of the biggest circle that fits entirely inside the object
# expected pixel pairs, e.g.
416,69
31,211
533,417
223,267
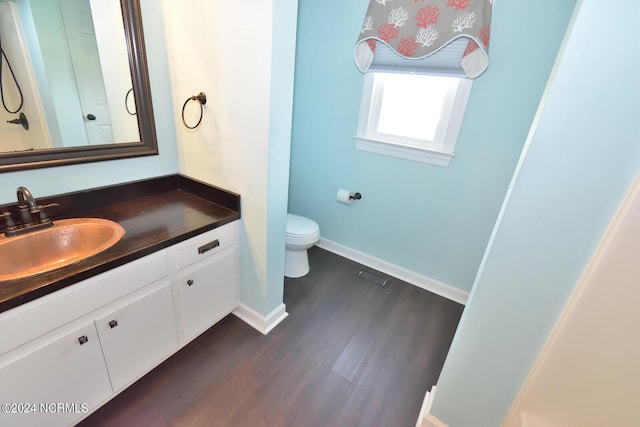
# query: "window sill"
418,154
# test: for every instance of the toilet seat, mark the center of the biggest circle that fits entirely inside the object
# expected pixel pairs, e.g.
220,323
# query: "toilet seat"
299,227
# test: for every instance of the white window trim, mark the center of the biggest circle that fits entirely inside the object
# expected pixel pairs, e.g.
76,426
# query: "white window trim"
404,148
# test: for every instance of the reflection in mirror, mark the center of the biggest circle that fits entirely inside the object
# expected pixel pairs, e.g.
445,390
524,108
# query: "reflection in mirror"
74,83
62,67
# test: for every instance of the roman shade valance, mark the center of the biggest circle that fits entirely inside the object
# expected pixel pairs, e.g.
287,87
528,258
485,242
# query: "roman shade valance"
433,36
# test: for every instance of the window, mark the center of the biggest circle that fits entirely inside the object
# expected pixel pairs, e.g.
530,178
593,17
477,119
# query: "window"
412,116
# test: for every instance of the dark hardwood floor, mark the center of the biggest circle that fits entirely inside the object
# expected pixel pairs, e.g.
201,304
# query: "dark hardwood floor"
351,353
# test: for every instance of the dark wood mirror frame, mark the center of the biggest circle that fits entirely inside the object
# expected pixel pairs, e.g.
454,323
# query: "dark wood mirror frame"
140,77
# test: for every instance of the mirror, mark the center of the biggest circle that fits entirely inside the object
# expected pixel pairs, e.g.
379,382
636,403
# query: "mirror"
75,84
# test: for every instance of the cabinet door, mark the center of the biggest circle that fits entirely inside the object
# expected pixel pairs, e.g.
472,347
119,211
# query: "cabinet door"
138,334
207,293
54,380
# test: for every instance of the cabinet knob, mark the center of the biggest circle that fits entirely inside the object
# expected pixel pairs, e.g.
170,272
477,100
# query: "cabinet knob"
83,339
190,282
113,324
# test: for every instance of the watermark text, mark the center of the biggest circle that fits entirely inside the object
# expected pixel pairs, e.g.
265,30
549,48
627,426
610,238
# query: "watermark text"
44,408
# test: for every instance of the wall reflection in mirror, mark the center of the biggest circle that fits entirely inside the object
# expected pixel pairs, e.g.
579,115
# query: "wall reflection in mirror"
64,74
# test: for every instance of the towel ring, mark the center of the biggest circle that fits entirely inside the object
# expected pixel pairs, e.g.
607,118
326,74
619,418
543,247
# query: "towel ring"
202,98
126,103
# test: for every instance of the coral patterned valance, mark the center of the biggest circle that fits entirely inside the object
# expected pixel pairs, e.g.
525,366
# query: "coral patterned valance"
416,29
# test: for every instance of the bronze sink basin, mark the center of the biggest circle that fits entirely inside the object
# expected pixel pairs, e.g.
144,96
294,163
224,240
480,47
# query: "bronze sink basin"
66,242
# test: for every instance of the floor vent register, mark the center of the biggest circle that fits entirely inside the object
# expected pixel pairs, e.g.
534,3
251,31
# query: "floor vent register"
381,281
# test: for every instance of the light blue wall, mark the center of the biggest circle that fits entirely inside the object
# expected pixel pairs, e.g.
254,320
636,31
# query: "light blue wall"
431,220
62,179
282,73
580,159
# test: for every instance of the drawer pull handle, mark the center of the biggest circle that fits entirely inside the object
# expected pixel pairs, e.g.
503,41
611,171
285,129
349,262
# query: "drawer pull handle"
83,339
113,324
190,282
211,245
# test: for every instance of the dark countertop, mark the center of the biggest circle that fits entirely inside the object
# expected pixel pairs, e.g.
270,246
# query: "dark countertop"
155,214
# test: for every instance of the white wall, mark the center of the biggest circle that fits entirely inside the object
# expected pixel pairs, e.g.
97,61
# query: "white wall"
114,62
14,43
587,374
580,158
241,55
57,77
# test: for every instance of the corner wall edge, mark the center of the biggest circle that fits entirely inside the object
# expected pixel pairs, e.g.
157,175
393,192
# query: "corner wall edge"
259,322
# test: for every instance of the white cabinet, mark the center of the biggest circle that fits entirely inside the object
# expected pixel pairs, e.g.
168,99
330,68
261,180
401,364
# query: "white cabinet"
34,319
207,279
137,334
80,346
206,295
63,367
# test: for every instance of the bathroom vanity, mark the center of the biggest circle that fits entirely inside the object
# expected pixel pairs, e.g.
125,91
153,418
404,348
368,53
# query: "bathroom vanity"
75,337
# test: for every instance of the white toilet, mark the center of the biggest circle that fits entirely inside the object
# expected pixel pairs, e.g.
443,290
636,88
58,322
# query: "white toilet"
302,233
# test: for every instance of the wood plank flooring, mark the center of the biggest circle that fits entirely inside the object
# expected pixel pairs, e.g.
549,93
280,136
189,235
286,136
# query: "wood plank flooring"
350,354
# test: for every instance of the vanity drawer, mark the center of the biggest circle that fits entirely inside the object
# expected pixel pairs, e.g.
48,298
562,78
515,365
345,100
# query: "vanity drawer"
205,245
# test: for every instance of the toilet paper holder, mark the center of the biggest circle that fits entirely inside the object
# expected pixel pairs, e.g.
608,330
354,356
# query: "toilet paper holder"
347,197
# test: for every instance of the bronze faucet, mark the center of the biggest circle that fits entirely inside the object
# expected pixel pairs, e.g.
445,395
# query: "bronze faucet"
27,208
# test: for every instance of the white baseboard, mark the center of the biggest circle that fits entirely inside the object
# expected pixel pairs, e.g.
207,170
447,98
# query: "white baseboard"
431,421
259,322
426,405
408,276
425,419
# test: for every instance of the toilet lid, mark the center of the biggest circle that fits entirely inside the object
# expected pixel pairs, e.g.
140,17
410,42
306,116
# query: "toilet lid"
300,226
